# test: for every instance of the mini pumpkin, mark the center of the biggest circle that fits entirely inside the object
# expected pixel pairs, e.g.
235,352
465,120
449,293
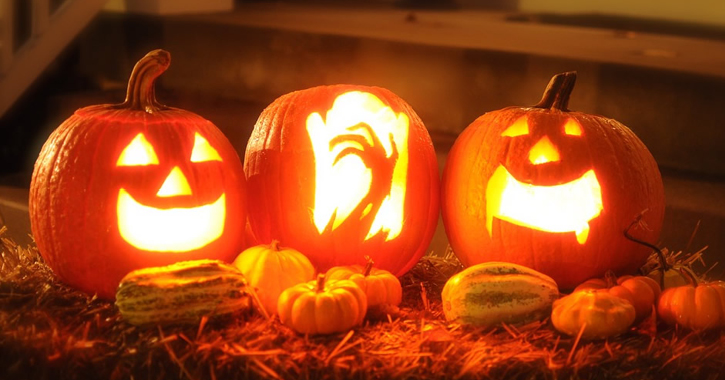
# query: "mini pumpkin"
640,291
133,185
379,285
271,269
550,189
322,307
694,306
344,171
593,313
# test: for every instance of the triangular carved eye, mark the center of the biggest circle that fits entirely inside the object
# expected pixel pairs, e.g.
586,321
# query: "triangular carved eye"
572,128
518,128
202,151
138,152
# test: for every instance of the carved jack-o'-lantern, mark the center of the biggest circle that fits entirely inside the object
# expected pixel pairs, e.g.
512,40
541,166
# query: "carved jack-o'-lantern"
343,172
138,184
551,189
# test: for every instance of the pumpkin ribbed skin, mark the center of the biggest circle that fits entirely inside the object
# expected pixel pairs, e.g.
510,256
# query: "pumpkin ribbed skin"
271,269
280,168
380,286
625,170
641,291
492,293
181,293
698,307
600,313
322,307
76,185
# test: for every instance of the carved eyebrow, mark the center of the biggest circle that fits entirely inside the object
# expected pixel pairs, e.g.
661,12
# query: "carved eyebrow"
138,152
203,151
519,128
572,128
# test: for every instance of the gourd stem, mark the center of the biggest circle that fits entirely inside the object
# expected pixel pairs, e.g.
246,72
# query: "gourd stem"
610,278
141,92
660,254
320,283
274,245
368,266
688,273
557,93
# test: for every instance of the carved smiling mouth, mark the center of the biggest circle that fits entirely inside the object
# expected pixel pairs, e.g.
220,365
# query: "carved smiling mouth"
169,230
560,208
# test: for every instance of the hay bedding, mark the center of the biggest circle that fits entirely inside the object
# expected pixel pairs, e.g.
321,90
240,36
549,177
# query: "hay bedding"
48,331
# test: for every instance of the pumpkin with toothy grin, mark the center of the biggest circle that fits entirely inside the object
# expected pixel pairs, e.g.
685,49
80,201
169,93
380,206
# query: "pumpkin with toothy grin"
551,189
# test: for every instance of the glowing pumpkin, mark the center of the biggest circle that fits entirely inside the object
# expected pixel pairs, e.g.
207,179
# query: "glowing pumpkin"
343,172
551,189
137,184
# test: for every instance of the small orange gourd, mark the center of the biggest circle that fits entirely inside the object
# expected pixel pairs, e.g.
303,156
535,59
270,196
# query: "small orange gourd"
380,286
694,306
641,291
322,307
271,269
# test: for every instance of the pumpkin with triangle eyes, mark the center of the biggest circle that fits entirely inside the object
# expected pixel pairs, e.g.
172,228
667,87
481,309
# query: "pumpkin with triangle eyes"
551,189
138,184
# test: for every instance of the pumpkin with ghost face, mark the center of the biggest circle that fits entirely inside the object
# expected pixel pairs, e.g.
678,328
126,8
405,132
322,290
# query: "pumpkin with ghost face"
551,189
138,184
343,172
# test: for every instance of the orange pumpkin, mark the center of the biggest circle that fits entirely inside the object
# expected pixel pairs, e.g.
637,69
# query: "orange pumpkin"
380,286
340,172
322,307
694,306
271,269
132,185
640,291
550,189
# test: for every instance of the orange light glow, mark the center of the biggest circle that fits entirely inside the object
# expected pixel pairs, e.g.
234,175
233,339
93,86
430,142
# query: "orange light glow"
173,229
138,152
572,128
174,184
360,138
561,208
519,128
202,151
169,230
543,151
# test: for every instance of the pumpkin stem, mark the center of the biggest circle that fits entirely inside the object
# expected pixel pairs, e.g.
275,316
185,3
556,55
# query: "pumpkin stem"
141,92
320,282
556,95
368,266
660,254
274,245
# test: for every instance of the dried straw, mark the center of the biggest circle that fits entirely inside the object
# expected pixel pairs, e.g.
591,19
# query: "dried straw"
49,331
